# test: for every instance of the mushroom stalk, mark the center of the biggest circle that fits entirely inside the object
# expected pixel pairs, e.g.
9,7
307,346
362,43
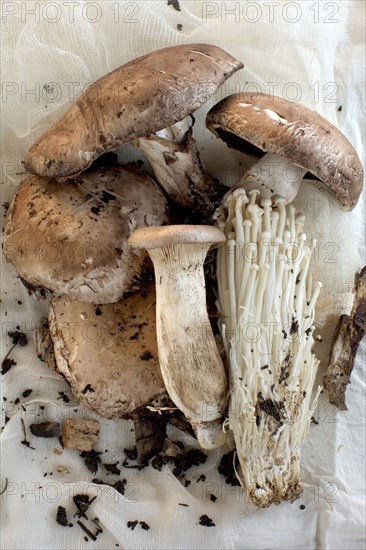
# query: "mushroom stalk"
191,365
267,305
273,175
177,165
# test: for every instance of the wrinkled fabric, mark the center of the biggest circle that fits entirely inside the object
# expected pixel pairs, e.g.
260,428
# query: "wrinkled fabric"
311,52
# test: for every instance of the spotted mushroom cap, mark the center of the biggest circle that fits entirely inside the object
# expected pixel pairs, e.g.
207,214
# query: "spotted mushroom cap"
73,238
144,96
305,138
108,353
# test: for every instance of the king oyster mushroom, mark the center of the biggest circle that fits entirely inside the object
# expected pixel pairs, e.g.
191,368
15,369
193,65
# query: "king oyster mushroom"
145,96
191,365
295,139
71,238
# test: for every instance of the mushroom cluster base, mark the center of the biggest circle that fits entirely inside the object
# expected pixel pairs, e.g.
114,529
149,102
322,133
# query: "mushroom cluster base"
267,305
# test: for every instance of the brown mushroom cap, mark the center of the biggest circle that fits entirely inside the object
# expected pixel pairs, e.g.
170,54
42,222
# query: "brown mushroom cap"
275,125
144,96
155,237
72,238
108,353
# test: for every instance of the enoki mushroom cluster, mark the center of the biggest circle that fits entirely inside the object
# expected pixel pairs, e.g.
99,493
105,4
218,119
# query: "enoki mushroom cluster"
267,300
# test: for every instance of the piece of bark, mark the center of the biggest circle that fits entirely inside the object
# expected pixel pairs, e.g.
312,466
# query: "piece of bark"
44,343
45,429
80,434
150,432
349,333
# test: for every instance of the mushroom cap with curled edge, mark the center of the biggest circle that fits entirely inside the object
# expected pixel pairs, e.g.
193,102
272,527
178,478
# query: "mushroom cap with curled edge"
108,353
73,238
302,136
156,237
144,96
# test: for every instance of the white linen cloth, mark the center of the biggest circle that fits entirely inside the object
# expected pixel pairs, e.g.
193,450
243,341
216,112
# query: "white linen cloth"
311,52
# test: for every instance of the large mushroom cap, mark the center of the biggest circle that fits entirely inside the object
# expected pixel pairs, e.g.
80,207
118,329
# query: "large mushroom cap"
275,125
72,238
108,353
144,96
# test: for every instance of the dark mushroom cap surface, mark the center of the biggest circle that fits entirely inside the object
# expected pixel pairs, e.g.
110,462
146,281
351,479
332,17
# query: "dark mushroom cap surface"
142,97
108,353
72,238
305,138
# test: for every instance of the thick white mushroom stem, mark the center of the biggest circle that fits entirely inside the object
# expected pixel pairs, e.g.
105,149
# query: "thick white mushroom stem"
190,363
267,304
177,165
273,175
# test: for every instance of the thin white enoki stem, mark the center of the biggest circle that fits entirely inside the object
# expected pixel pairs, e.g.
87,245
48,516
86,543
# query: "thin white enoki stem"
249,254
299,223
230,261
239,233
274,223
268,264
280,203
295,266
260,292
310,310
285,273
292,225
301,290
253,194
267,207
278,289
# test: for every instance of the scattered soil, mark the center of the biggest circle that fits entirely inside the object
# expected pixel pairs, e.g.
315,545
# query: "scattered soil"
174,4
131,454
112,469
119,485
226,469
182,461
82,503
7,364
92,460
206,521
87,389
64,397
61,516
146,356
18,338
